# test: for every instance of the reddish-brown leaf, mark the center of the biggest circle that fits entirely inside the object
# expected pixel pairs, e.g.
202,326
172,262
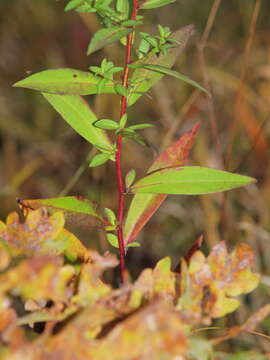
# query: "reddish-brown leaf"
143,206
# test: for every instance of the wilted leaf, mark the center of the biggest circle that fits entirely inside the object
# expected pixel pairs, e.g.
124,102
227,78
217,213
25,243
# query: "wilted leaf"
90,288
10,333
143,79
42,235
107,36
142,207
164,280
47,314
5,252
65,82
189,180
39,278
76,209
154,332
77,113
145,335
208,284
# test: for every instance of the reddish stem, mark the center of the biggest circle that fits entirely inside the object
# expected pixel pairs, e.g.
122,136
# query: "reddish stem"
119,173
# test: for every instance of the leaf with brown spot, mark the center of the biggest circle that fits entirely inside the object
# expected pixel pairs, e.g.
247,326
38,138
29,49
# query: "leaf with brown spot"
39,278
41,234
208,285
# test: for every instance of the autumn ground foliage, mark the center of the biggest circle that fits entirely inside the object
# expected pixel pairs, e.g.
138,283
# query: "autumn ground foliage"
65,294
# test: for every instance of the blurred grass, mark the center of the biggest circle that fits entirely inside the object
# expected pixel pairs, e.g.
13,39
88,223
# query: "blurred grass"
39,153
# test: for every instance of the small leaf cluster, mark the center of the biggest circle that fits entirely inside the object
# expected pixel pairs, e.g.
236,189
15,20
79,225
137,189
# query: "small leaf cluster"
101,7
157,44
105,72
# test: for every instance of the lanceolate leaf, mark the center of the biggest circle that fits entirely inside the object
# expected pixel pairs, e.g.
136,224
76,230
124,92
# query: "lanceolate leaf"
145,79
77,210
190,180
143,206
65,81
79,116
165,71
152,4
107,36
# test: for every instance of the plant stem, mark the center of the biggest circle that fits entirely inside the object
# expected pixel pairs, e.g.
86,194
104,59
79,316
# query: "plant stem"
119,173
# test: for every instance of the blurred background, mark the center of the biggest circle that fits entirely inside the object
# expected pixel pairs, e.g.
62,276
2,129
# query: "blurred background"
40,156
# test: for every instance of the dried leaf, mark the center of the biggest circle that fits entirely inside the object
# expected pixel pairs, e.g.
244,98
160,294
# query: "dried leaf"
90,288
208,284
39,278
42,234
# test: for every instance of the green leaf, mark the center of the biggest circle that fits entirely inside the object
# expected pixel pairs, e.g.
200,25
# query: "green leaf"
77,113
110,216
140,126
106,124
122,6
99,159
142,79
166,71
130,177
131,22
106,36
152,4
121,90
73,4
133,244
190,180
143,206
66,81
77,210
113,240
